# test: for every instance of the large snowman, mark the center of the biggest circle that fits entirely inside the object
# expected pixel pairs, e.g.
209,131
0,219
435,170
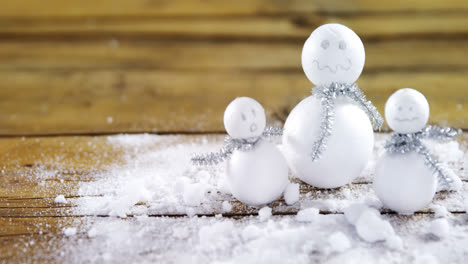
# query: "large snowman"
328,137
407,175
257,172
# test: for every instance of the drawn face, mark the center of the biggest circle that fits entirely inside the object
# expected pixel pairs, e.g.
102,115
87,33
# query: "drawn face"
407,111
244,118
333,53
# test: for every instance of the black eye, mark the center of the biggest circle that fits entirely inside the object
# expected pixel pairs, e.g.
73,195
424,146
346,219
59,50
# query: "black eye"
325,44
400,108
342,45
411,108
253,112
243,117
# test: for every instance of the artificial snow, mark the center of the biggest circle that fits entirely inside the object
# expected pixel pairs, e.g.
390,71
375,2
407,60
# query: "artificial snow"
440,228
440,211
194,194
354,211
69,231
150,181
291,194
60,199
251,232
369,225
227,207
264,213
339,242
307,215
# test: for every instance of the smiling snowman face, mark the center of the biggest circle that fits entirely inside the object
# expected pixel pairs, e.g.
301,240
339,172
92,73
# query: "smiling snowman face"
407,111
333,53
244,118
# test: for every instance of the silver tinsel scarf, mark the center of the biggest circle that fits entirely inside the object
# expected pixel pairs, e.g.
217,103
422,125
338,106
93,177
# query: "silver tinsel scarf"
327,96
232,144
405,143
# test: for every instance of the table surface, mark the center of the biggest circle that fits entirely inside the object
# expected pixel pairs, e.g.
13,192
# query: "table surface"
74,75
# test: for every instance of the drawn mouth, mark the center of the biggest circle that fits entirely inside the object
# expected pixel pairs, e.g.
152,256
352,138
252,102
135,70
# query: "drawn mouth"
253,127
406,119
336,68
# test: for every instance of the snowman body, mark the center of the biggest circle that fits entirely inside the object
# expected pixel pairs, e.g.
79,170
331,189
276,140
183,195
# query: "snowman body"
258,176
404,183
349,146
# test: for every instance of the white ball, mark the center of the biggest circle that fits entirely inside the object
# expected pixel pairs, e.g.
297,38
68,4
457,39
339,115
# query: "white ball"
349,146
244,118
404,183
259,176
407,111
333,53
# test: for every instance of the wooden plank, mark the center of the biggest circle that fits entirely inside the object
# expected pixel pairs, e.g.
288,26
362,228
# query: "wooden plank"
284,27
30,192
133,54
104,101
328,201
33,224
15,8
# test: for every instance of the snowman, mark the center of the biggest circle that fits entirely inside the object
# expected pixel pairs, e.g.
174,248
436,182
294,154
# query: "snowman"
328,137
256,170
407,175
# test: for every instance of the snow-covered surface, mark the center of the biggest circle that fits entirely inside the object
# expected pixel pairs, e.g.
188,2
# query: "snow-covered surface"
156,179
60,199
291,193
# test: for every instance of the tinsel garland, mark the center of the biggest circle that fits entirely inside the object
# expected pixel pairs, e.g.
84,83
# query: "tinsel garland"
327,96
232,144
405,143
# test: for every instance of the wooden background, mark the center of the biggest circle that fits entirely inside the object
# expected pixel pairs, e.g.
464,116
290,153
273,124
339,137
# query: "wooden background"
91,67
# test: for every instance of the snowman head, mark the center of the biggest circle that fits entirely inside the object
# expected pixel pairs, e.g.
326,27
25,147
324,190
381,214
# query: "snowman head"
244,118
333,53
407,111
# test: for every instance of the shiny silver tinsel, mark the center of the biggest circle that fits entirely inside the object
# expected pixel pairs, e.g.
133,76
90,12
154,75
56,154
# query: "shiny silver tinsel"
405,143
232,144
327,96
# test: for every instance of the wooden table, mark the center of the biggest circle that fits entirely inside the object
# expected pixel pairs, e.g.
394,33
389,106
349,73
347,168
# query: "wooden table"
72,73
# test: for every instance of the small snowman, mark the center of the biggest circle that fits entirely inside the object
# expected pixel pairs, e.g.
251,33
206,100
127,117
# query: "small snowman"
328,137
256,170
407,175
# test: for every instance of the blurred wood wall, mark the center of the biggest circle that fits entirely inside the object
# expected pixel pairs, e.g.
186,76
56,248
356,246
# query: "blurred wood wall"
88,66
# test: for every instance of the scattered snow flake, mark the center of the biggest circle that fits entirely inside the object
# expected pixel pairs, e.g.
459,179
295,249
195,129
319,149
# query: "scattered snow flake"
60,199
307,215
250,232
440,211
291,194
395,242
69,231
371,228
339,242
181,232
264,213
425,259
354,211
227,207
440,228
194,194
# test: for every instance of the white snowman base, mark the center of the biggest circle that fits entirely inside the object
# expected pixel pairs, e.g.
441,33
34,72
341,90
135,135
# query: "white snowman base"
404,183
349,146
258,176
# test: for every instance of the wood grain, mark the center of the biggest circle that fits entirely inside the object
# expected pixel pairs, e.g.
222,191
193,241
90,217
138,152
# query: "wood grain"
103,101
289,27
15,8
205,55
